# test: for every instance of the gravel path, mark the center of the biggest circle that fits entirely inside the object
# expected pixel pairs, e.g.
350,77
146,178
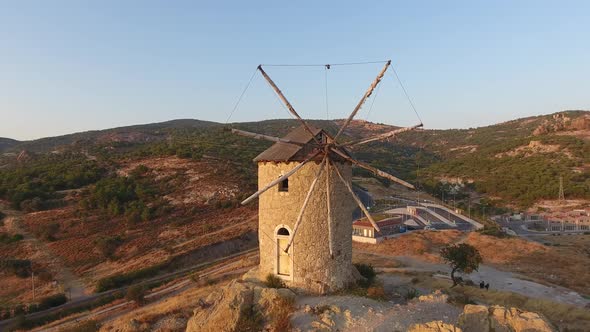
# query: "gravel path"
64,276
503,281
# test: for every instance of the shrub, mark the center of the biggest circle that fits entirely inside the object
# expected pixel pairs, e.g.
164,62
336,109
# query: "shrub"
52,301
124,279
368,272
273,281
19,267
136,293
493,231
108,245
250,320
86,326
411,293
6,238
48,231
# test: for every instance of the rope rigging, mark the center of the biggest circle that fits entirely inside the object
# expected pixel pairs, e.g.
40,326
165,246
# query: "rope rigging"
326,67
241,96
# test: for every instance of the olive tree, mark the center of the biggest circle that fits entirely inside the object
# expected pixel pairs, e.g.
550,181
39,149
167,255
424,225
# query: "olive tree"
462,258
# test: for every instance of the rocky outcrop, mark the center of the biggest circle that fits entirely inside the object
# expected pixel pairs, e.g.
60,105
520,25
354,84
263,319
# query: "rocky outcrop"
436,297
475,318
479,318
562,122
240,304
434,326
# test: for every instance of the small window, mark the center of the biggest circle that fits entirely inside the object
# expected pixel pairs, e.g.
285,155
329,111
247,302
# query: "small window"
284,185
283,231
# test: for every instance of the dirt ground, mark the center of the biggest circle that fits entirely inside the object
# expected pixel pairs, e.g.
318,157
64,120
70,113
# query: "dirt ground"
564,263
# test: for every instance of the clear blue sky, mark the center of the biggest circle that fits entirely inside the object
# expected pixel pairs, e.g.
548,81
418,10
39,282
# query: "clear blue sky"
68,66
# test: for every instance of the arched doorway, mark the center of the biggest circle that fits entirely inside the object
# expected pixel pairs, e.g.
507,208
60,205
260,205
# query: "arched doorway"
284,262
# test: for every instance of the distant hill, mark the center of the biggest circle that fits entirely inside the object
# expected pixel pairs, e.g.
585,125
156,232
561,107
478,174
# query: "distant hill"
131,134
7,143
518,161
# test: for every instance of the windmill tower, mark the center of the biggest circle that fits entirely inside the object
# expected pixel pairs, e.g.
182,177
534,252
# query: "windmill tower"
306,202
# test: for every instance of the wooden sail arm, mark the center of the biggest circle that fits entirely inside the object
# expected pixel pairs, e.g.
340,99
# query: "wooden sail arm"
373,169
364,98
275,182
263,137
329,207
382,136
305,202
287,103
357,200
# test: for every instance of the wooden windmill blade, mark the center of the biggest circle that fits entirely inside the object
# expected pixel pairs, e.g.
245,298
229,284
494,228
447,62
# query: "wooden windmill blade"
275,182
363,99
380,137
263,137
305,202
287,103
329,207
373,170
356,199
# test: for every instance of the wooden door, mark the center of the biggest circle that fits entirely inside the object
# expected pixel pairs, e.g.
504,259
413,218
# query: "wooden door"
284,261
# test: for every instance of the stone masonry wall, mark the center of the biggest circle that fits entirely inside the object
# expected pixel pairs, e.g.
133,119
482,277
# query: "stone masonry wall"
313,268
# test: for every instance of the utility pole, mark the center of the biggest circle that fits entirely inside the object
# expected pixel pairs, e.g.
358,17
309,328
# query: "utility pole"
561,193
33,281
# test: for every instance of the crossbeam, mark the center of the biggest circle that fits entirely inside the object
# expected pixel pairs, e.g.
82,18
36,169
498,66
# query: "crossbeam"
373,169
380,137
287,103
357,200
262,137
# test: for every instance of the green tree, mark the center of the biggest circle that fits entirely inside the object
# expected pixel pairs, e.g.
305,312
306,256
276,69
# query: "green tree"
462,258
136,293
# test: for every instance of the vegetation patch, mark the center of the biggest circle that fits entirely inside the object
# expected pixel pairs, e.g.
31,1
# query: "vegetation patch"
7,238
107,245
18,267
128,278
33,184
273,281
136,293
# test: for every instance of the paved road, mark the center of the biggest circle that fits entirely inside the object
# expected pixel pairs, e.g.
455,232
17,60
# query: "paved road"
519,227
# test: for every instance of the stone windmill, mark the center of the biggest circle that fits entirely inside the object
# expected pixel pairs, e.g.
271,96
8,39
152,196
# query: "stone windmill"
306,201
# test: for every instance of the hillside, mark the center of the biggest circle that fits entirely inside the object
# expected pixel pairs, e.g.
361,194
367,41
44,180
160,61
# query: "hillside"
517,162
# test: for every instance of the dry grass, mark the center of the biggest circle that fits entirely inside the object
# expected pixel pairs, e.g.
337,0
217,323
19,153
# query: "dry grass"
566,265
75,243
374,260
281,315
181,305
422,244
564,316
